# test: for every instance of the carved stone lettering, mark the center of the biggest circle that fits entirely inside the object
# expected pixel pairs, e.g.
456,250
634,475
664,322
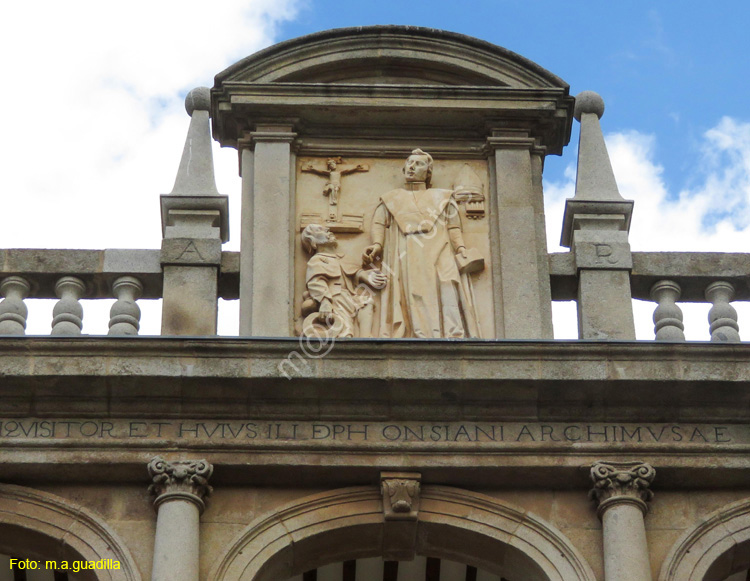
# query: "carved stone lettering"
591,252
190,251
452,435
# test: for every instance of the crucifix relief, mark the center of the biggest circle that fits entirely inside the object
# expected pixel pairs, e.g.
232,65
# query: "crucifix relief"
336,220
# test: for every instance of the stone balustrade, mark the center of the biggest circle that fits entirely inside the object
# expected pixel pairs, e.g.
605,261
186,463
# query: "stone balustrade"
191,272
665,278
668,277
74,275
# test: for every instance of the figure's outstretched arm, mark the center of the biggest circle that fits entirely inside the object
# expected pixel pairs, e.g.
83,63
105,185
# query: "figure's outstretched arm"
318,172
352,169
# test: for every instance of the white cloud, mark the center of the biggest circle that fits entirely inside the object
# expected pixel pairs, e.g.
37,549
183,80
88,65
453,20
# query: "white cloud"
93,117
709,214
94,123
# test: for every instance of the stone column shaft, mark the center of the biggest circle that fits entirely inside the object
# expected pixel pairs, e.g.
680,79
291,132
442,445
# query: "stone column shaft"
176,547
625,547
622,490
266,271
523,306
180,489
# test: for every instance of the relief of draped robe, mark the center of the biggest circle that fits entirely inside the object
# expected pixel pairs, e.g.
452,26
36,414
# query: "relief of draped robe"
419,230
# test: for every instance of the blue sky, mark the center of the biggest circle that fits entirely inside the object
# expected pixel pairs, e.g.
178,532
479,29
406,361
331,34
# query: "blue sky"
92,95
668,68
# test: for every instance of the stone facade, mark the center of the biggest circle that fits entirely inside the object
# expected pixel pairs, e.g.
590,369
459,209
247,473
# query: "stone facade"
395,407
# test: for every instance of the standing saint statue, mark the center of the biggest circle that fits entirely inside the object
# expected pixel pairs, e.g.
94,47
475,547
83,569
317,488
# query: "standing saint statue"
416,230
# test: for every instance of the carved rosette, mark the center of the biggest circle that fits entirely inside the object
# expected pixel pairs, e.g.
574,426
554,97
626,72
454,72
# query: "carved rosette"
187,480
400,495
621,482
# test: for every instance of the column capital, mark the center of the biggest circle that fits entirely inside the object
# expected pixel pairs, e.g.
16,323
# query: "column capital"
621,482
187,480
281,132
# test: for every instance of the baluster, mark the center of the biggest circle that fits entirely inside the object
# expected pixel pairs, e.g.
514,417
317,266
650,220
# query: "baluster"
722,316
13,311
124,316
68,312
667,316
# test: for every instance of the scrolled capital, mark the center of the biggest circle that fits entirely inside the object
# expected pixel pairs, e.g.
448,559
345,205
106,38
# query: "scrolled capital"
184,479
618,482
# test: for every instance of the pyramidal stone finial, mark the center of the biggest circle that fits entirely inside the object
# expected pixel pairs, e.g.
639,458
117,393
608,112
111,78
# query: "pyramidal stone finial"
595,179
195,185
195,177
596,187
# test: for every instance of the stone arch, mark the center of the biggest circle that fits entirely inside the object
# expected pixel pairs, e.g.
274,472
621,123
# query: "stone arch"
453,523
50,527
714,549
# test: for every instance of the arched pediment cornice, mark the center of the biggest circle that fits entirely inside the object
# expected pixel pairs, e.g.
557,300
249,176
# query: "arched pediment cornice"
381,83
390,55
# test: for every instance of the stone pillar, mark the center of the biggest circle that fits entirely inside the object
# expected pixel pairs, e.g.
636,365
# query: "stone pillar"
195,223
595,227
266,259
621,490
523,306
179,489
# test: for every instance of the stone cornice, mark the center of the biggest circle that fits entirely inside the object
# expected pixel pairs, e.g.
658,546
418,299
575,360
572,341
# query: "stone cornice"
399,110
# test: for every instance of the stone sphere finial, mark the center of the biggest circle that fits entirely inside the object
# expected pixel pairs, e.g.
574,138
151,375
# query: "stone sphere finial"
199,98
588,102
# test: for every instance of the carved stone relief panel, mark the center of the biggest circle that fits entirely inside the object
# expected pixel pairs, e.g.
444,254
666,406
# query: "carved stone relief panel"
393,248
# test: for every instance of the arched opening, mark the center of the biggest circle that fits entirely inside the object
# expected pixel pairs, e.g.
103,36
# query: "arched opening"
58,536
717,549
453,526
377,569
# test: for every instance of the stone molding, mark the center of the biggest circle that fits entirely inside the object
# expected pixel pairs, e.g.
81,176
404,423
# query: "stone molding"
715,548
316,79
64,524
350,521
621,482
187,480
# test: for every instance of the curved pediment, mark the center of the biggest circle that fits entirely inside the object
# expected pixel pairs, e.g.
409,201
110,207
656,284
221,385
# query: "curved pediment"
390,55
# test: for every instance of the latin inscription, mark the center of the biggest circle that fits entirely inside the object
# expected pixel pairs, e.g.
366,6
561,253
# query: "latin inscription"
262,432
